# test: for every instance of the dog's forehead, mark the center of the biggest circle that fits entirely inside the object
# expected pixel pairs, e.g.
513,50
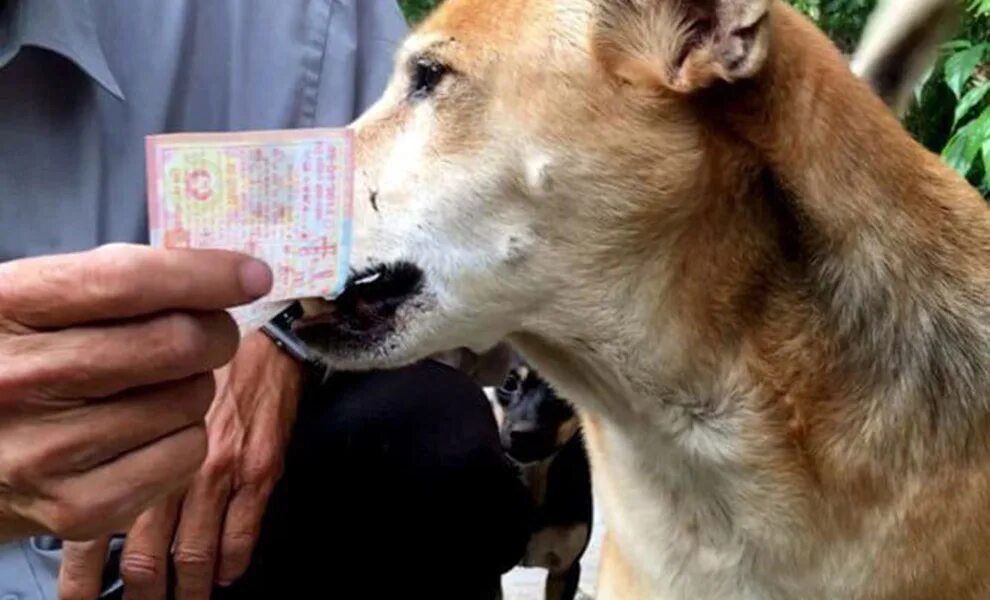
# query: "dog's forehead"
482,20
487,28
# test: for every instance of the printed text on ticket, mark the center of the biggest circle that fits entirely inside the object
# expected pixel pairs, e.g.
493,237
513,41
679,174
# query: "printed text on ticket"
282,196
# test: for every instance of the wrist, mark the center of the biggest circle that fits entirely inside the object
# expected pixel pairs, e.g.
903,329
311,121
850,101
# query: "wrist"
273,358
279,333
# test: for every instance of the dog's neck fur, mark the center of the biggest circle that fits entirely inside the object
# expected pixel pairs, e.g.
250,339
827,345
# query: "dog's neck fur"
824,203
820,200
882,230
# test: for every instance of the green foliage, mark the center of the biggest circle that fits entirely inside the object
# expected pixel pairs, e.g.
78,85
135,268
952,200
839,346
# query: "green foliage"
417,9
966,74
952,113
842,20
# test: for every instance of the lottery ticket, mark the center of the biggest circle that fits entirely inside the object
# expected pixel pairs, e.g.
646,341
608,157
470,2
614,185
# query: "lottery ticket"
284,197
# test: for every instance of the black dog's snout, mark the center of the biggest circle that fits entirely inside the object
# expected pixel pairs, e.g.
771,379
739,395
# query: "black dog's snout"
524,437
529,444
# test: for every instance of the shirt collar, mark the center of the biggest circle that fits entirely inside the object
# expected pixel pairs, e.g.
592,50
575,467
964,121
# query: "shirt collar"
62,26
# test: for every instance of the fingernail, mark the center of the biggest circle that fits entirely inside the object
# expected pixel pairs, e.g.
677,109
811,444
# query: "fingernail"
256,278
224,583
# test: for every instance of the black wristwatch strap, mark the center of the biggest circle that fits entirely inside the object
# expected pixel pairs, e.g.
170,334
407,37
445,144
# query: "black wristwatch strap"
279,330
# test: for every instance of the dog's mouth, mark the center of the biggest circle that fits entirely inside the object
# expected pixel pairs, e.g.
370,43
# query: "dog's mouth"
366,308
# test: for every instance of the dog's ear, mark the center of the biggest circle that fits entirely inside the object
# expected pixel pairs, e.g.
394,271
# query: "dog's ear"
900,45
682,45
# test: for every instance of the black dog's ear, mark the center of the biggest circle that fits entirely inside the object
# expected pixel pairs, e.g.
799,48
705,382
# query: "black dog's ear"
900,45
494,365
682,45
488,369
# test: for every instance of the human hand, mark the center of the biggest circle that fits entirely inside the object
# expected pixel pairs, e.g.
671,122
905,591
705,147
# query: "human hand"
210,532
107,360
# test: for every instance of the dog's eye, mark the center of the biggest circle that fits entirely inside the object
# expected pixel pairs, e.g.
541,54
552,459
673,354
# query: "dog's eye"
504,397
426,76
511,383
506,392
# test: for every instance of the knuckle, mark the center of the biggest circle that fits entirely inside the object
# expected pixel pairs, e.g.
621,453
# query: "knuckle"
194,559
238,544
262,472
178,337
72,517
22,470
19,471
81,564
140,569
70,521
218,465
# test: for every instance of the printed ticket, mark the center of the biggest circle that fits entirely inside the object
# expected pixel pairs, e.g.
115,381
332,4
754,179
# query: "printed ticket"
284,197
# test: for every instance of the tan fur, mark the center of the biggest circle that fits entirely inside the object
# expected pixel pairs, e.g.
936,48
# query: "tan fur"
567,430
769,303
615,578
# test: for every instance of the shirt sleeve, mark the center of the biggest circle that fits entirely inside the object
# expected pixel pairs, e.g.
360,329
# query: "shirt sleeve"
362,38
383,27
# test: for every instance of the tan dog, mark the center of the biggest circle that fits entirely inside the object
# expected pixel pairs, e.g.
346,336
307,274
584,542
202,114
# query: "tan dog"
769,303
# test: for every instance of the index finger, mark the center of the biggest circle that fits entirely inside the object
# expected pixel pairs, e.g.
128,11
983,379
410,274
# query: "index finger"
81,573
144,562
121,281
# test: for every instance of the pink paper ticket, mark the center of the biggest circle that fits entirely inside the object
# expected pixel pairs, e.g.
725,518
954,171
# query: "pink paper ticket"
282,196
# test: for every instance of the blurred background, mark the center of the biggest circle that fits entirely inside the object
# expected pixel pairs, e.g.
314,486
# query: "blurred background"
952,112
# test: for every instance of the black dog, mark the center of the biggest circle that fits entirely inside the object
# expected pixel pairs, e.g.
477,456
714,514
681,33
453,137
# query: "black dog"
541,433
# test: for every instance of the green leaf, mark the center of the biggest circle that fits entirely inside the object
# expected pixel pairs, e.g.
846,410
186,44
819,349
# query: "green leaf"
960,153
416,10
980,7
956,45
960,66
971,99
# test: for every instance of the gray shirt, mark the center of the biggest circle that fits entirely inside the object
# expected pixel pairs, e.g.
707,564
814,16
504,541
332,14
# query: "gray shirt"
83,81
